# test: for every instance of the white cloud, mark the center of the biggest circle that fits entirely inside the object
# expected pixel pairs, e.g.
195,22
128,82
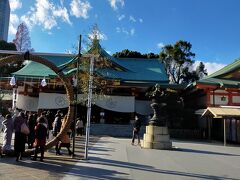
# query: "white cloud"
15,4
114,3
14,19
121,17
62,13
130,32
46,14
118,29
43,14
13,24
125,31
80,8
61,1
210,66
160,45
140,20
131,18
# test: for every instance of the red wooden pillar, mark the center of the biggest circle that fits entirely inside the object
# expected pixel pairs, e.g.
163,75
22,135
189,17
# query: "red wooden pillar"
230,100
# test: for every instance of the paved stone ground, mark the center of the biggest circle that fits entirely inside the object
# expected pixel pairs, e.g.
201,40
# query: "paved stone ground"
113,158
53,167
116,158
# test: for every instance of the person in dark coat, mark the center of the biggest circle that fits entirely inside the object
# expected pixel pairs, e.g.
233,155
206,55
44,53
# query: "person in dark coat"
20,138
31,124
57,123
50,119
40,138
57,127
136,130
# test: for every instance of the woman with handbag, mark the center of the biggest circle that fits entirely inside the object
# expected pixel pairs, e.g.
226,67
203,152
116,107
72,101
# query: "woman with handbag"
20,137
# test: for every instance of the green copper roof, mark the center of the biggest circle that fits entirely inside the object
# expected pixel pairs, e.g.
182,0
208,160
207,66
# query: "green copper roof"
220,82
138,69
34,69
219,77
132,69
227,69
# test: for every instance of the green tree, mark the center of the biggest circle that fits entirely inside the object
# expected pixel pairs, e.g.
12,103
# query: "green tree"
134,54
7,46
177,59
201,71
7,69
194,75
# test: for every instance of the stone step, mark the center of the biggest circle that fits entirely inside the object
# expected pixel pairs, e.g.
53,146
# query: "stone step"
115,130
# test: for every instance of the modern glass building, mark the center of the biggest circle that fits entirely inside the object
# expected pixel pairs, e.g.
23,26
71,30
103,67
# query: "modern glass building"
4,19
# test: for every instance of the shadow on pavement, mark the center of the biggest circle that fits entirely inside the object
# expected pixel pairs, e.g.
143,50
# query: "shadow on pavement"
107,162
205,152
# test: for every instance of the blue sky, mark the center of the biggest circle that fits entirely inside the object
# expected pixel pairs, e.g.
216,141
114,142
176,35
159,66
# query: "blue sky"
212,26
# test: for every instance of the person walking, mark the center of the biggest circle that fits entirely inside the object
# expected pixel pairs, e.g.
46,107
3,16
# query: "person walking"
40,138
79,127
57,123
136,130
64,141
31,124
7,134
20,138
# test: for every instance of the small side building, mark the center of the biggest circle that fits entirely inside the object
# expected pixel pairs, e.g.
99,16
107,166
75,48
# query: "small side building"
214,95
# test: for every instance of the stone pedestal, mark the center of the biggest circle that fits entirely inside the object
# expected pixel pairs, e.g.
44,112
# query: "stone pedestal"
156,137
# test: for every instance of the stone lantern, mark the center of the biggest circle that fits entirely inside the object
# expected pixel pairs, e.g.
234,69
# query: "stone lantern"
157,136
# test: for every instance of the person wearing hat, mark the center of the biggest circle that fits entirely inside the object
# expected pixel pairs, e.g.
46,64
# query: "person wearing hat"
136,130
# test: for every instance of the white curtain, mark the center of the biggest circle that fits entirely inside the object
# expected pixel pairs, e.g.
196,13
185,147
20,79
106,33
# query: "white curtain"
52,101
143,107
27,103
112,103
117,103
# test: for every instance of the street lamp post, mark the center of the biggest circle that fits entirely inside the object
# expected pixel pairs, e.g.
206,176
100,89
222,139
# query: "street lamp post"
89,106
76,97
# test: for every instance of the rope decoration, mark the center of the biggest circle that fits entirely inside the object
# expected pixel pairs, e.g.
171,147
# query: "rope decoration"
65,81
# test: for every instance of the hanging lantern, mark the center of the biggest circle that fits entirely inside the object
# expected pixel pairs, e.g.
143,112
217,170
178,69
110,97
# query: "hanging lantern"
74,82
43,82
12,81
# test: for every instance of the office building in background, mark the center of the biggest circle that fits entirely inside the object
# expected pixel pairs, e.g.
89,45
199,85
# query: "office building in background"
4,19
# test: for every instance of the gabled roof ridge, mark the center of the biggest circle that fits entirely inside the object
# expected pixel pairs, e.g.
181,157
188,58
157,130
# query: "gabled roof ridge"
231,67
102,52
